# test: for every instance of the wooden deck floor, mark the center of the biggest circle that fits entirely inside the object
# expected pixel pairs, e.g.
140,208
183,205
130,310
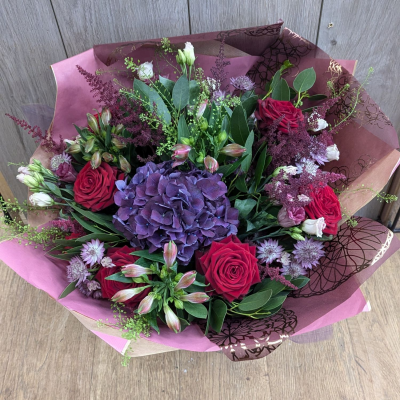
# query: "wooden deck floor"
46,353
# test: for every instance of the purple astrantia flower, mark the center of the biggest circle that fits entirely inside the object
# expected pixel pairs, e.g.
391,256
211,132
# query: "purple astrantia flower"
77,270
61,165
308,252
90,289
92,252
285,258
243,83
162,204
294,269
269,251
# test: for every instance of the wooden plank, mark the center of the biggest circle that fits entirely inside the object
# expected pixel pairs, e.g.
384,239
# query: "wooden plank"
86,23
30,43
300,16
47,353
367,31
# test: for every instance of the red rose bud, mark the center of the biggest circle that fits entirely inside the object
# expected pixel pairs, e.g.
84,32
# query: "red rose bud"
105,117
233,150
145,304
197,297
126,294
107,157
187,279
211,164
92,122
125,166
170,253
171,319
134,271
95,161
202,108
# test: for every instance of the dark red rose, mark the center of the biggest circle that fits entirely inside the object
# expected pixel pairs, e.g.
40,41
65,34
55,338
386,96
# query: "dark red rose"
120,257
325,204
73,236
95,188
270,110
230,267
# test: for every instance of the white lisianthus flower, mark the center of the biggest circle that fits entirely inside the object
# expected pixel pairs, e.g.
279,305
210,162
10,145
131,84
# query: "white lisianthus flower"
24,170
332,153
145,70
314,226
188,51
41,199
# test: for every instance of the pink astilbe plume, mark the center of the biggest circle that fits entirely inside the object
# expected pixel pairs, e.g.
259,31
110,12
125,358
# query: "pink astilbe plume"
126,112
273,273
45,139
218,71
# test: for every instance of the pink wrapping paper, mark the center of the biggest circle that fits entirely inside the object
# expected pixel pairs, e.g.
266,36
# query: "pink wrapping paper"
368,156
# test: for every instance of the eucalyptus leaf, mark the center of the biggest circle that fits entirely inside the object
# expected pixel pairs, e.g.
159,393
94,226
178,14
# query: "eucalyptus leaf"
249,105
167,83
300,281
274,302
194,91
269,284
183,130
316,97
240,184
119,277
304,80
149,256
249,148
245,207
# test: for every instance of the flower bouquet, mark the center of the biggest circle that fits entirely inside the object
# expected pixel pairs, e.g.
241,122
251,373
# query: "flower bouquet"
207,202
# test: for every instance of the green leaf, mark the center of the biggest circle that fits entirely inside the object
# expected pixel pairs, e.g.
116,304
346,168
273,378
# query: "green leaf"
152,320
316,97
150,97
260,166
228,111
104,237
194,288
300,282
217,315
70,288
61,256
240,184
85,224
119,277
167,83
158,257
249,148
255,301
194,91
67,243
249,105
143,262
108,136
239,127
54,188
183,130
269,284
281,91
275,302
244,207
250,226
305,80
180,93
197,310
214,115
293,93
226,170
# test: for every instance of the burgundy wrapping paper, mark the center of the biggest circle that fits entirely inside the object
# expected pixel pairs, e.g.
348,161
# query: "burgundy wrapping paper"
368,156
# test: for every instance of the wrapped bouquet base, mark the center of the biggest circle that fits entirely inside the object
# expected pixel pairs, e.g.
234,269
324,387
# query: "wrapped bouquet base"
368,158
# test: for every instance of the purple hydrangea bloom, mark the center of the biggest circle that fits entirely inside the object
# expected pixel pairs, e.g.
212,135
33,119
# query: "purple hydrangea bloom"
243,83
308,252
162,204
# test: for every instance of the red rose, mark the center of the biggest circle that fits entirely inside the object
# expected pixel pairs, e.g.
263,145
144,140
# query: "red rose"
230,267
120,257
270,110
325,204
95,188
74,235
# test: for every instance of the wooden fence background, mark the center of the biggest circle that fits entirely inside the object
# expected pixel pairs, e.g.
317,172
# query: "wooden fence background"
37,33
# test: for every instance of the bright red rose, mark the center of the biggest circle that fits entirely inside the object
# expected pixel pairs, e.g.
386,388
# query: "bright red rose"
269,110
230,267
120,257
95,188
325,204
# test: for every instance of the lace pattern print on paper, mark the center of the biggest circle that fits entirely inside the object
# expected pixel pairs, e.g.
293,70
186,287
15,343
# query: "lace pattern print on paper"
353,172
290,47
248,339
350,252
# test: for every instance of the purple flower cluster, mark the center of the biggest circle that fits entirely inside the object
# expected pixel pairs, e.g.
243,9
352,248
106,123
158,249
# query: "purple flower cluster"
162,204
